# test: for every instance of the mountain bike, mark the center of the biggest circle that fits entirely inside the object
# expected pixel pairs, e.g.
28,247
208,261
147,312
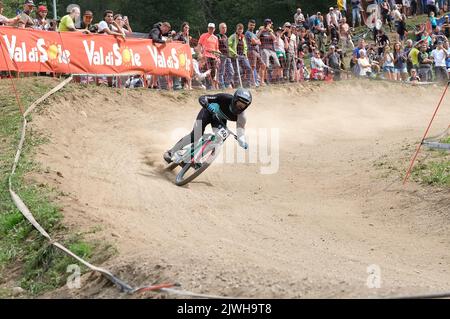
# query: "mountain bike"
194,159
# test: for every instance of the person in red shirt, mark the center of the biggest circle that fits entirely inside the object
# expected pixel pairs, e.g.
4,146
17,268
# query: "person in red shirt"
209,46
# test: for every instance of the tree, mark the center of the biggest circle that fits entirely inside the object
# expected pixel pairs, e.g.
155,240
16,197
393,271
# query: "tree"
144,13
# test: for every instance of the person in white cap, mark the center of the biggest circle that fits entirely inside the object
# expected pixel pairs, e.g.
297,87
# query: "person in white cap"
208,44
329,17
299,18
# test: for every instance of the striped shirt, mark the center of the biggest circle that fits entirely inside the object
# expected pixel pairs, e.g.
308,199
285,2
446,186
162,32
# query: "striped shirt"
267,40
223,44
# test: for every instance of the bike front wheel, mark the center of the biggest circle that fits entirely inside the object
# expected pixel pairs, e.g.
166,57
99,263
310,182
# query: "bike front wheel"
192,170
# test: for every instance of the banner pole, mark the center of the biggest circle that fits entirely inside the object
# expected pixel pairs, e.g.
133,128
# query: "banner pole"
55,12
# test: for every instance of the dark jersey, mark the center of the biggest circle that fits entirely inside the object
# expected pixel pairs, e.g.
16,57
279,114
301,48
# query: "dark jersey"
224,101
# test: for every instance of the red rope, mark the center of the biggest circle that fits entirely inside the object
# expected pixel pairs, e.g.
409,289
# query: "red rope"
156,287
13,84
413,161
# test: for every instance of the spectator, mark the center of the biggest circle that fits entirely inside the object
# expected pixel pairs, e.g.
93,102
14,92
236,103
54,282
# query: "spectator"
420,29
431,7
290,42
356,12
336,18
280,49
407,50
311,43
382,41
302,36
317,66
198,64
333,26
126,25
446,27
401,28
160,32
386,14
413,55
333,60
388,63
447,48
442,6
329,18
439,56
374,58
426,37
67,23
299,18
41,22
209,47
425,64
86,22
400,59
238,52
413,10
364,66
396,16
424,7
183,37
356,54
345,36
118,25
254,56
406,6
320,32
433,21
226,70
414,78
107,25
268,39
24,20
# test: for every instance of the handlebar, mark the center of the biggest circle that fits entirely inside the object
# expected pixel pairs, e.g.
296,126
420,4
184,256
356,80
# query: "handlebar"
226,127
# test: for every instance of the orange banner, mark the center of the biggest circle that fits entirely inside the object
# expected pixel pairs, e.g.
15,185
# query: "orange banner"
24,50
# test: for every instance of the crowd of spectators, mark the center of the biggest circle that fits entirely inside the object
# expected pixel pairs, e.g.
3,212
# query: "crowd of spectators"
320,46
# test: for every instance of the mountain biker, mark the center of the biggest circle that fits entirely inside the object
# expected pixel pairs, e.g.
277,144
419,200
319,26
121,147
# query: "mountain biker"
217,109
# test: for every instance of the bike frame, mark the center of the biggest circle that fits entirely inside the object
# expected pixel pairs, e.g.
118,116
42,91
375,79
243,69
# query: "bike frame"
195,153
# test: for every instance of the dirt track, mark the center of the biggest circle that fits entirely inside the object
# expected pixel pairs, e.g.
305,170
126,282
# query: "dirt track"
310,230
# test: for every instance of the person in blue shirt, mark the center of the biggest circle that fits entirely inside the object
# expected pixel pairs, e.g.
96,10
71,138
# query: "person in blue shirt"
433,20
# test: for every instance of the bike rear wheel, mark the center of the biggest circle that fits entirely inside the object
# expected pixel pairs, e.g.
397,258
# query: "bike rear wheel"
192,170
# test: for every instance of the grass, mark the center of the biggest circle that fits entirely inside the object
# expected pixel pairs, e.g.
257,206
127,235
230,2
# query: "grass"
436,169
41,266
434,173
